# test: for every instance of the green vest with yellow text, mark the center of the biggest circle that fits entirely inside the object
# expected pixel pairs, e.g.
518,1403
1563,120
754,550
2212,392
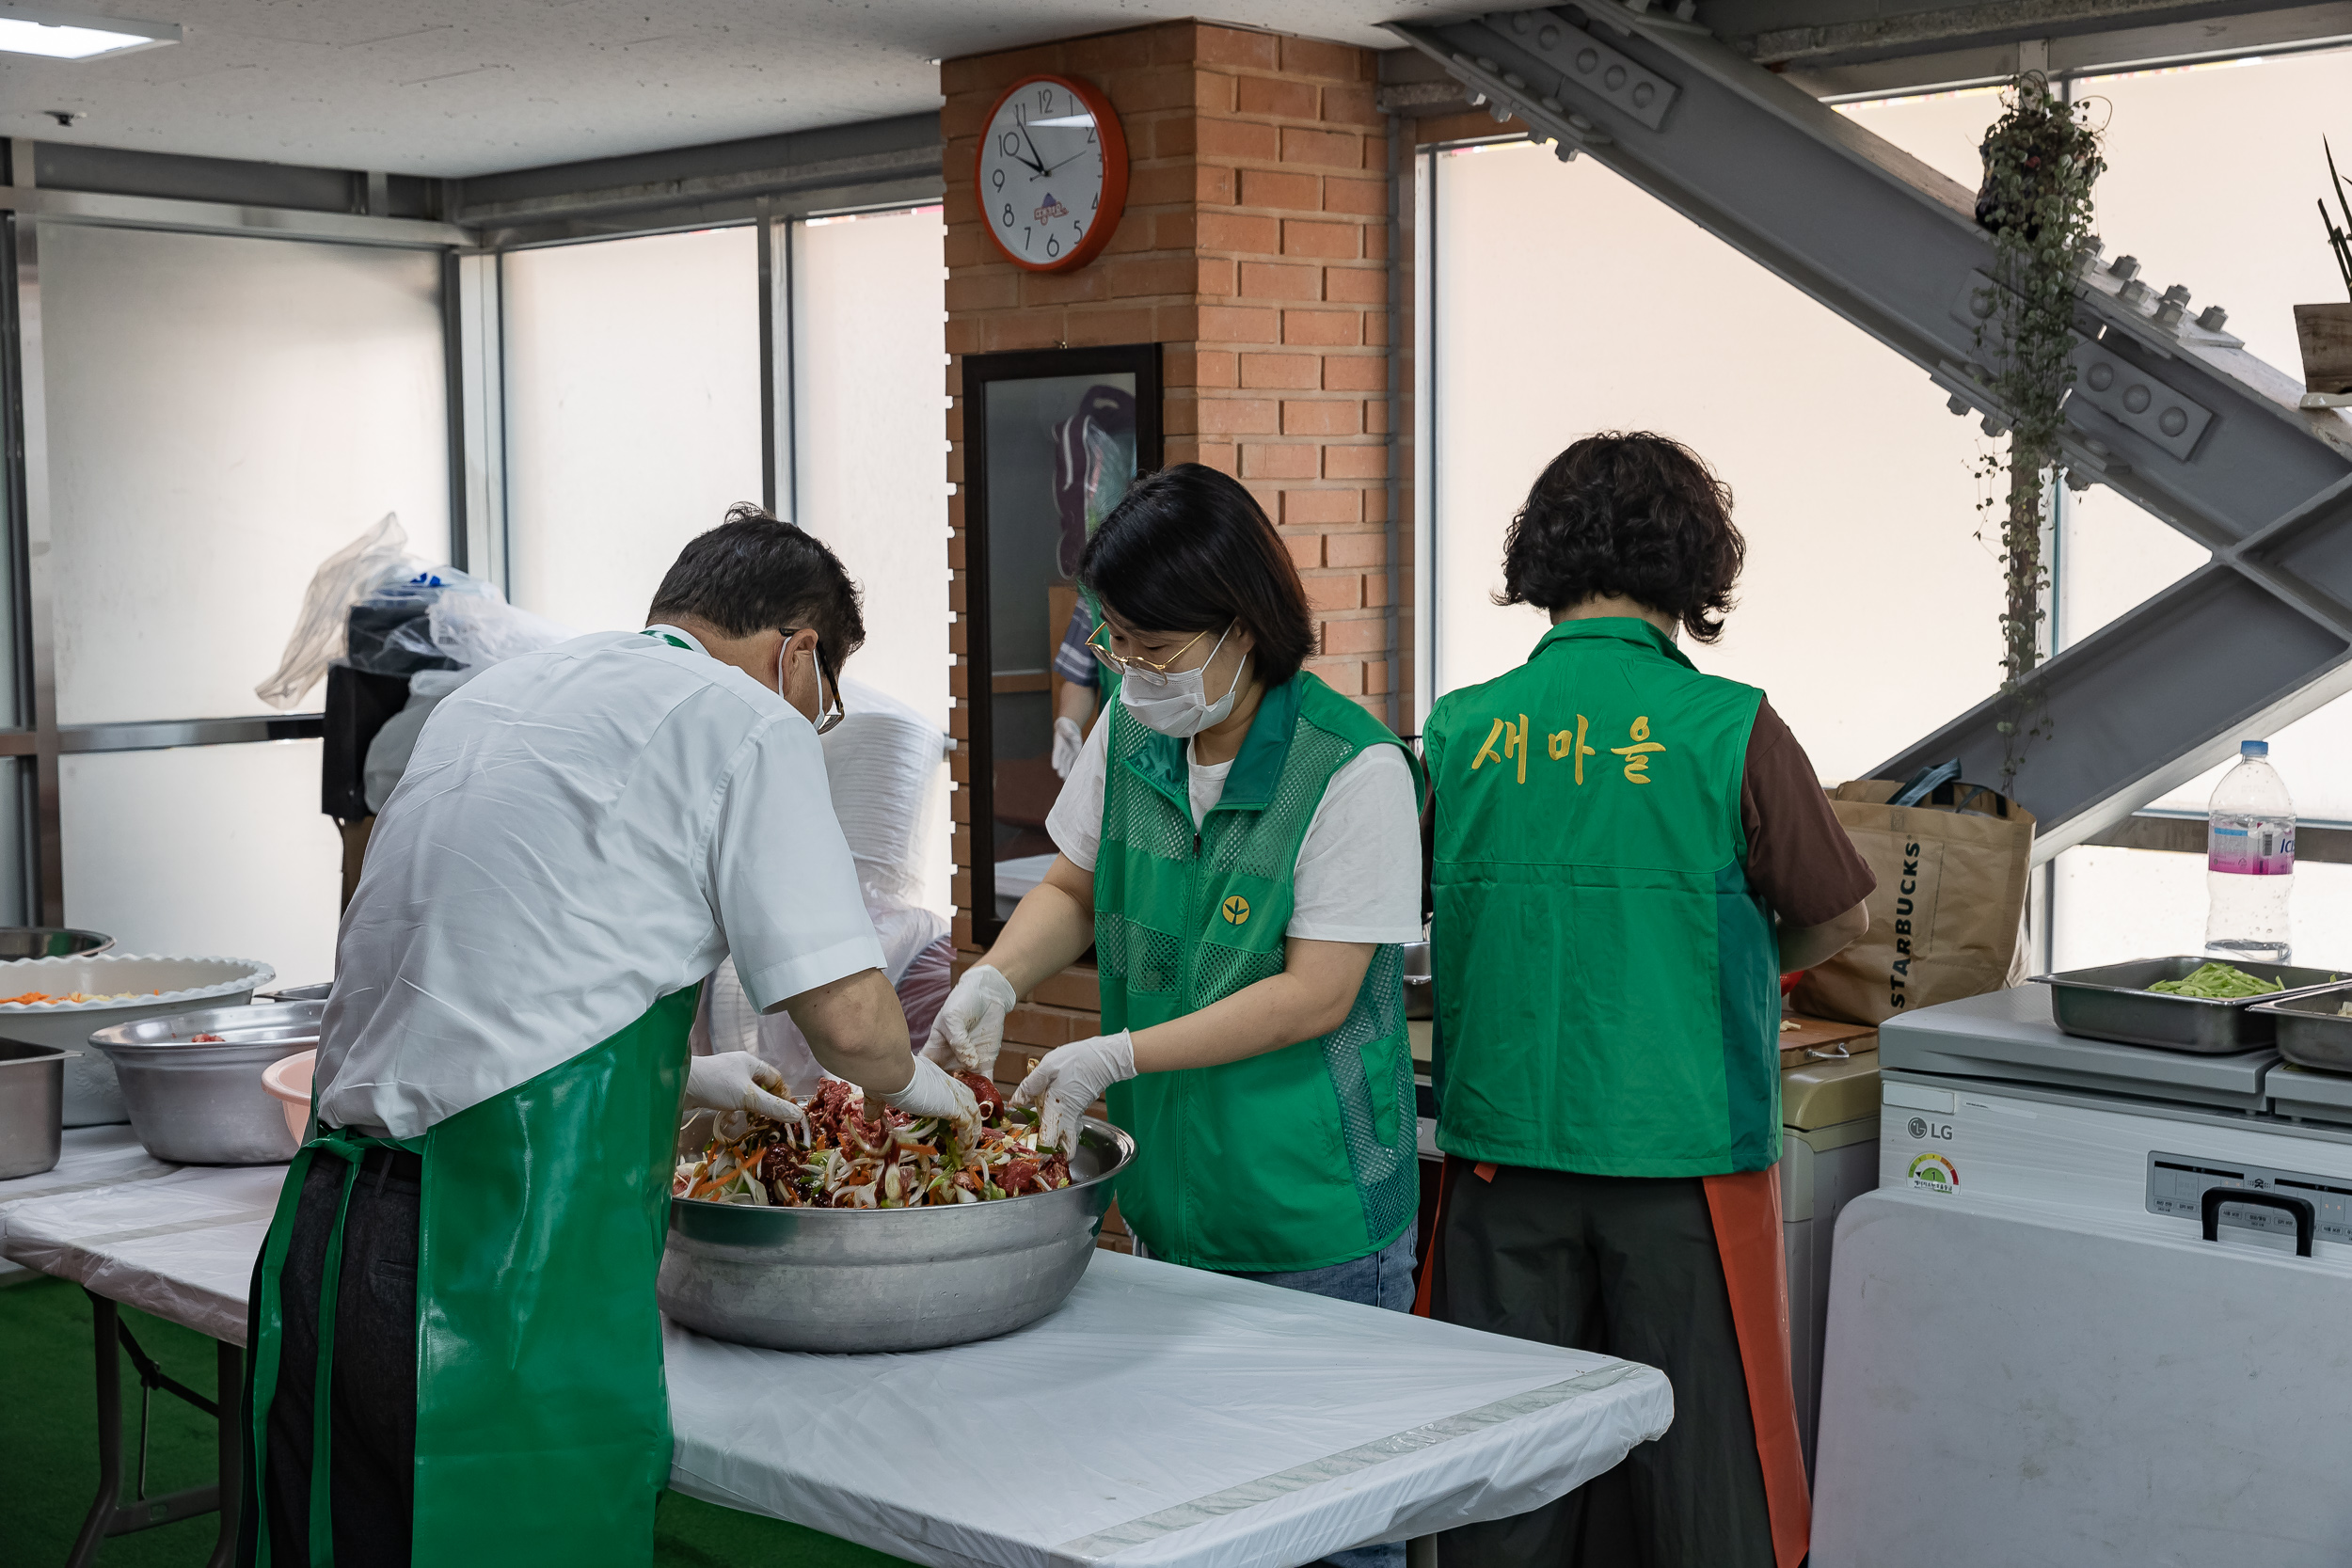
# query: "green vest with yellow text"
1607,981
1304,1156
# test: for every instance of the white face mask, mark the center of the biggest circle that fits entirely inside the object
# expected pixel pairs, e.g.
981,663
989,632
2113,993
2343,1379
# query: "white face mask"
1178,704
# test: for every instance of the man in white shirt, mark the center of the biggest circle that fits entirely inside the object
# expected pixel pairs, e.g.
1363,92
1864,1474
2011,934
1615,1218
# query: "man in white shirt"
470,1243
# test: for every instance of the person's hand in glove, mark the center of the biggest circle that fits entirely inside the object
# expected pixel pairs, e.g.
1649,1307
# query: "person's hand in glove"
739,1081
970,1028
1067,742
932,1093
1071,1077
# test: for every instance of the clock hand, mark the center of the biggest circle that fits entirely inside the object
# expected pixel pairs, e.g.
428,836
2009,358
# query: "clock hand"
1036,160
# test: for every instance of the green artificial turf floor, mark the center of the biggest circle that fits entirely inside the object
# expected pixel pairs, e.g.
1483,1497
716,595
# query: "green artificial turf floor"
49,1454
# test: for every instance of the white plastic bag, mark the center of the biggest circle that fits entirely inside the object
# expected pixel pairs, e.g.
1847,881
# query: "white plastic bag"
342,579
476,632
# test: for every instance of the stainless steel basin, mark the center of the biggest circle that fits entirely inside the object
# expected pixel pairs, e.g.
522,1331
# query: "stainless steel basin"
887,1279
202,1102
32,1107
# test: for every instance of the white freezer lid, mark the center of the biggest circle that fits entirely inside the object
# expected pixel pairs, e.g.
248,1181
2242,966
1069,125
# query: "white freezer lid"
2009,1034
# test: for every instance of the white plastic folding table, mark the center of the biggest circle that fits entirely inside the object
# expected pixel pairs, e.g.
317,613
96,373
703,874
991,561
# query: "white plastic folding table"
1164,1417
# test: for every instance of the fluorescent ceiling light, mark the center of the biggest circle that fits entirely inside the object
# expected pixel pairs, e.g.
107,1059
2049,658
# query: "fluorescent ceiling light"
58,37
1062,119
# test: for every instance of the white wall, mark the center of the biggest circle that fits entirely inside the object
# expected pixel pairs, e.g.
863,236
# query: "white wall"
633,414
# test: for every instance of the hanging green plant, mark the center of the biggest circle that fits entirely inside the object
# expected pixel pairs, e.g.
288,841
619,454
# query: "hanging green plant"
2042,159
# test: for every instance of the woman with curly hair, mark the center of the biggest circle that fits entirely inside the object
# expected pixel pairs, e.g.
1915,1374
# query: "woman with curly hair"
1628,854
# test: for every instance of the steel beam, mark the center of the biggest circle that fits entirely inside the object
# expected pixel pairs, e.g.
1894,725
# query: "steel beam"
2170,413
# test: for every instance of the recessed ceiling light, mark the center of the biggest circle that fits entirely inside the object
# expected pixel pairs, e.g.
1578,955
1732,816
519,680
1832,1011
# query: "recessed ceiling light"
59,37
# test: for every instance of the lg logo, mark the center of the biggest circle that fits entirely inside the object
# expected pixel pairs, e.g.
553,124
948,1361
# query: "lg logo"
1918,1126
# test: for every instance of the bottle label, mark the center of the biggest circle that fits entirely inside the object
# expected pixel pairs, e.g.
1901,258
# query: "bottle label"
2252,850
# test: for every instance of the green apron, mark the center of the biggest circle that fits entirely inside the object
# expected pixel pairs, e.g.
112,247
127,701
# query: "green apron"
1298,1158
1606,981
543,1416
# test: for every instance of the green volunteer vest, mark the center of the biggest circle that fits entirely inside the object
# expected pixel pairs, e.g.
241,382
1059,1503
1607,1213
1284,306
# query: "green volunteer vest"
1607,982
1301,1157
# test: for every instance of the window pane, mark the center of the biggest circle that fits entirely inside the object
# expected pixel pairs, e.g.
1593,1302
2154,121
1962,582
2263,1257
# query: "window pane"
223,413
206,850
2114,905
869,353
1868,608
633,414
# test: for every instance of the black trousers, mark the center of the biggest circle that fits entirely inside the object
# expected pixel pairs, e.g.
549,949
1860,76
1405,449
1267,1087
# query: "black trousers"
374,1399
1626,1267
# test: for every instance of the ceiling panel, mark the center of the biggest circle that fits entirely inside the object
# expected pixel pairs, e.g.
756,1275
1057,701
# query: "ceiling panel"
465,87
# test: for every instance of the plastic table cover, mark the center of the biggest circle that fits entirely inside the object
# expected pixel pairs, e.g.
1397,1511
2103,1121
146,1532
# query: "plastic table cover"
89,1157
179,1246
1165,1416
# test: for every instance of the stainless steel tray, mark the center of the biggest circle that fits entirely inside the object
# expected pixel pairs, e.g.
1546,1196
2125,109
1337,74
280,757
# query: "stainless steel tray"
2113,1003
2310,1030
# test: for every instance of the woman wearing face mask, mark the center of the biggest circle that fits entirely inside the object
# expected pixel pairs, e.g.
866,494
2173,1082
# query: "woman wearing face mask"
1241,846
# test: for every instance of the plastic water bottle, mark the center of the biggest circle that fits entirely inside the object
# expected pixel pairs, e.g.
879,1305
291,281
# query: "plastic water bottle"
2250,859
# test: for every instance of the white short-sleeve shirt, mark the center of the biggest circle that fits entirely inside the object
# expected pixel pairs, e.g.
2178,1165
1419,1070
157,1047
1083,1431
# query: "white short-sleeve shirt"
580,833
1359,873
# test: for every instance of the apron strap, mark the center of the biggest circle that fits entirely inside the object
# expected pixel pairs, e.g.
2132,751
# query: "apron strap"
351,1149
1745,1209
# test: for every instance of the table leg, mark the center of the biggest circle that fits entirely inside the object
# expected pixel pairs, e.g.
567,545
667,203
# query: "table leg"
109,1514
102,1512
230,1397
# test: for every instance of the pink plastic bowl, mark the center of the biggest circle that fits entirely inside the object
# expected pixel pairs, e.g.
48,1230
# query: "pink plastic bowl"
289,1083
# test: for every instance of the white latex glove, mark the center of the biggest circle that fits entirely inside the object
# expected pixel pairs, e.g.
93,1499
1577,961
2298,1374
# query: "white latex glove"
1071,1078
932,1093
1068,741
970,1028
739,1081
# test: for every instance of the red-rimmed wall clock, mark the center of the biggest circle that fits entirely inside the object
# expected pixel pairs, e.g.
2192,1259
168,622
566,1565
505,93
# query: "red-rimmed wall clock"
1052,173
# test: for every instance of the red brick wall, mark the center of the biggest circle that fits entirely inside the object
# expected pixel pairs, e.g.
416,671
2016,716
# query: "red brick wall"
1254,249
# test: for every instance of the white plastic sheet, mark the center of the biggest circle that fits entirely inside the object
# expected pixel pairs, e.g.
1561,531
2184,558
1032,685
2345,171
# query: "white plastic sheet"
1164,1416
181,1245
88,1157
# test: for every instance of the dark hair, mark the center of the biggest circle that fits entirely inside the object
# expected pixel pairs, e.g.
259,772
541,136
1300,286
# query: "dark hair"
1627,515
1188,549
754,573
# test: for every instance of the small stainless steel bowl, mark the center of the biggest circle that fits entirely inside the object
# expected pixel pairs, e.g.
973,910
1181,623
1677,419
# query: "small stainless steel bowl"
51,942
887,1279
202,1102
32,1107
2313,1029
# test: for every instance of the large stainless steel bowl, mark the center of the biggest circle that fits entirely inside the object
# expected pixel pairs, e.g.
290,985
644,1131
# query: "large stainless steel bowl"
887,1279
201,1104
51,942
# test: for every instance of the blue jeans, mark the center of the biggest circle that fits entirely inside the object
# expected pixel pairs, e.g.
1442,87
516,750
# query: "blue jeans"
1383,1278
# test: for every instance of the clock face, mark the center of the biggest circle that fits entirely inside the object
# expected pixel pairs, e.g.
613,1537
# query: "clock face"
1052,173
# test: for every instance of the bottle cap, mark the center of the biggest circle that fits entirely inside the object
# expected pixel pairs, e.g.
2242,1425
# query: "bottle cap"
2254,748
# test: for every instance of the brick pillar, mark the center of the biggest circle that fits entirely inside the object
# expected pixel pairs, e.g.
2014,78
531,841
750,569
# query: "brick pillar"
1254,249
